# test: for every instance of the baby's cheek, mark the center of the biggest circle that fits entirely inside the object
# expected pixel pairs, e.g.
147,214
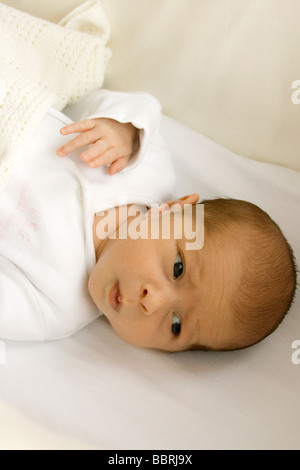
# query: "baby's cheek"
95,288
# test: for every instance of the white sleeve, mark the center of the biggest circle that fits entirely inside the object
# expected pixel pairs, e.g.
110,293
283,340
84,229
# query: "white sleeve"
141,109
21,317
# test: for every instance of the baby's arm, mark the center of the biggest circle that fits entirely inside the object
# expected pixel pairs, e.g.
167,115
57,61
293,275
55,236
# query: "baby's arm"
109,124
110,141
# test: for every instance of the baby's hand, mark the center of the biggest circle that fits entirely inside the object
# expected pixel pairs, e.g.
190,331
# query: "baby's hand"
110,142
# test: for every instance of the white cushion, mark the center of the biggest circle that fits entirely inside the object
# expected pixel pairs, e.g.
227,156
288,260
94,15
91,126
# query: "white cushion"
222,67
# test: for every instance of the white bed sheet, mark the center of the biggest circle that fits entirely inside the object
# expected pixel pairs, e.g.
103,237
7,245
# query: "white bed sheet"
95,388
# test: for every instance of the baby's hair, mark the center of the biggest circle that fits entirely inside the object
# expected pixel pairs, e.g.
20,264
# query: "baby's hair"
268,284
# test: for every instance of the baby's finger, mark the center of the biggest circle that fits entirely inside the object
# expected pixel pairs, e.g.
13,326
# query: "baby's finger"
80,126
78,142
96,150
107,157
118,165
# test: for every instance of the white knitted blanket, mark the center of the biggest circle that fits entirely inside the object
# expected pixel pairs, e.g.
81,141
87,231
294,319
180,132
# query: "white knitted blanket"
44,64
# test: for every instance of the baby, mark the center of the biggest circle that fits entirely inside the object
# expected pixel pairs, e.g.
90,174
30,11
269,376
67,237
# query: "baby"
76,242
228,294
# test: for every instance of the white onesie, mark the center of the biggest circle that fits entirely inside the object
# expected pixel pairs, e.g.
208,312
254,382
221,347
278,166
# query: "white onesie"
47,212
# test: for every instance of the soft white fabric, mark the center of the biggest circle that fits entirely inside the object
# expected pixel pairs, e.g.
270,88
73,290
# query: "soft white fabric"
222,67
47,213
19,433
75,48
50,10
95,387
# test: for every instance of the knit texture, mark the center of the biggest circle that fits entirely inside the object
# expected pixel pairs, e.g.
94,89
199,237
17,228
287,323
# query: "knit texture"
44,64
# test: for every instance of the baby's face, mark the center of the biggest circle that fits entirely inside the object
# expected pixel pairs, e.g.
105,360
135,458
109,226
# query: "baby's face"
159,294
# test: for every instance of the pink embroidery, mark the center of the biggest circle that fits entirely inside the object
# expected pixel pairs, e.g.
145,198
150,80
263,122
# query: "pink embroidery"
24,235
24,220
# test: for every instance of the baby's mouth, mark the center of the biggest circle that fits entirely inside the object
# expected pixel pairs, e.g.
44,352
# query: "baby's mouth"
115,298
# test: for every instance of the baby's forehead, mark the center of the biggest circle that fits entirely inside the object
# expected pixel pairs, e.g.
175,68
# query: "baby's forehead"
184,224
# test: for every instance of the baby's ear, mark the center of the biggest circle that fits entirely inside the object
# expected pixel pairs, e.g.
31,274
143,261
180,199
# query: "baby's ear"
190,199
176,204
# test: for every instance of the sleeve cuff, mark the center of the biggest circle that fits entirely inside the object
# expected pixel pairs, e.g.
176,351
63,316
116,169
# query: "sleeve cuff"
141,109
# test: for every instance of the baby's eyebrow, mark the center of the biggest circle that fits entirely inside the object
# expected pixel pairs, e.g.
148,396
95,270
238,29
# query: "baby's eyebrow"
191,327
194,270
191,264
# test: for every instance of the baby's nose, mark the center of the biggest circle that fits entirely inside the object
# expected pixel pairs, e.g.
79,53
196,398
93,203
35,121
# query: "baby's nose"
145,302
153,299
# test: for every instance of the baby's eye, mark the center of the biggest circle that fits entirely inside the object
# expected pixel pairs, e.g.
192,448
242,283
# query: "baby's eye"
176,325
178,266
